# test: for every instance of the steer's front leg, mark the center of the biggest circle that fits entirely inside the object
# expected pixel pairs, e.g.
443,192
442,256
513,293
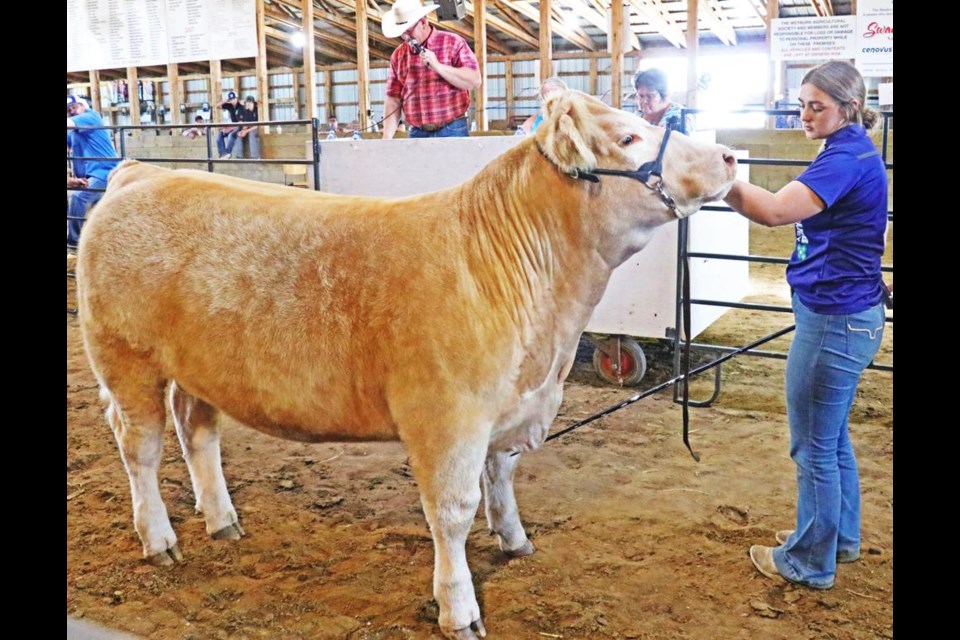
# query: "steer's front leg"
448,472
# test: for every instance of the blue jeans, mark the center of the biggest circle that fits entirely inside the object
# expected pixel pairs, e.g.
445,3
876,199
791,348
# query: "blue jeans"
827,356
80,203
225,141
456,129
253,144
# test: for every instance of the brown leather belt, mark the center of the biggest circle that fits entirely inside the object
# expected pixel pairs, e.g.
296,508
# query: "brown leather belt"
430,127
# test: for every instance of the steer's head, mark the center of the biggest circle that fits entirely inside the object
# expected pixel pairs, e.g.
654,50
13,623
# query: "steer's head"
580,134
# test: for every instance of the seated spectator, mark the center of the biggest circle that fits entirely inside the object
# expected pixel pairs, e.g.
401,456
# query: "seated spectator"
227,136
251,133
196,130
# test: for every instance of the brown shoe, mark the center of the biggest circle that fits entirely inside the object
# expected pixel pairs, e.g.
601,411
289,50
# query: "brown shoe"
762,558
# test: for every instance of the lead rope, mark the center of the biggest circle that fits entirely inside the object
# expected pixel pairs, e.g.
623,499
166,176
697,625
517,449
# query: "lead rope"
663,385
687,337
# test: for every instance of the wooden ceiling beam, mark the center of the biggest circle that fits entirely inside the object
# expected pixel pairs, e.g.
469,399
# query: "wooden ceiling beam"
326,36
559,17
493,42
507,28
822,8
514,18
759,7
348,25
289,55
713,18
664,25
560,29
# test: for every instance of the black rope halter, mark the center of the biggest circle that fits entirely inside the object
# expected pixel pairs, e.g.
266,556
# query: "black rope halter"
642,174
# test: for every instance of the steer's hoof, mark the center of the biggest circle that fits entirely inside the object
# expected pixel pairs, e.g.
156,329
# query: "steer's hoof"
473,632
166,558
525,550
230,532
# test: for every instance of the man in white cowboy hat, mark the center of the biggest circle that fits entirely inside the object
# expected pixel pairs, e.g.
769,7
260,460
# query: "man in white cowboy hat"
430,77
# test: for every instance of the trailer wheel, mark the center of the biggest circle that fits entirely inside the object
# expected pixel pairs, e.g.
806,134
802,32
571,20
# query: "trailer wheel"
633,362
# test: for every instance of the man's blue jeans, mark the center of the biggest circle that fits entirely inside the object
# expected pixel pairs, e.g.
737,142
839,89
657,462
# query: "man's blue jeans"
80,203
225,141
827,356
456,129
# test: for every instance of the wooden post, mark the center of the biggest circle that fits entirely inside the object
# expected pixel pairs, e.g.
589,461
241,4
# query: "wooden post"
508,89
616,54
480,44
134,93
95,92
295,81
216,91
173,75
594,88
693,43
328,90
309,64
263,88
546,41
773,11
363,64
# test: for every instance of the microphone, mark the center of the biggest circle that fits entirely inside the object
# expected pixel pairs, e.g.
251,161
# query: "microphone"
416,46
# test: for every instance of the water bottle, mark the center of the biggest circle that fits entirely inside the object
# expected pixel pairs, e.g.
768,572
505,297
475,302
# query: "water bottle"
331,135
520,132
356,135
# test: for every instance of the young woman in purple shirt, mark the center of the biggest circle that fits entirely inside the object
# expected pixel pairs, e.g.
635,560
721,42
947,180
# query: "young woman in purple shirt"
839,208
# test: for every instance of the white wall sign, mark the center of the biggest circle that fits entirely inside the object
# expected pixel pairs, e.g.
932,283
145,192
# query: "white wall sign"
110,34
814,38
885,91
875,37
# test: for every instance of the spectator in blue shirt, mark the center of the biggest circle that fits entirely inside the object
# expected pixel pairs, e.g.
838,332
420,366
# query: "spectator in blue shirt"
838,206
84,144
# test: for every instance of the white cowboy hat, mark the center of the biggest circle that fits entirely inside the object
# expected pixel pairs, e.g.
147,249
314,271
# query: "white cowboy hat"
403,15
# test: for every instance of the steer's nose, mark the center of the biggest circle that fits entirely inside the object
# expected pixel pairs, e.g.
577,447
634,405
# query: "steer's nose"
730,160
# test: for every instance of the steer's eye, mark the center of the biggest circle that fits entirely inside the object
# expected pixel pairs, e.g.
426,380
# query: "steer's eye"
626,140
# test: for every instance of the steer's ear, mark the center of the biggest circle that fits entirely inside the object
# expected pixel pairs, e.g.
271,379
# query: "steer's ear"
568,135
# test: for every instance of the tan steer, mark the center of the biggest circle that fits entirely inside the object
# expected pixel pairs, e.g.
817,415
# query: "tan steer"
213,294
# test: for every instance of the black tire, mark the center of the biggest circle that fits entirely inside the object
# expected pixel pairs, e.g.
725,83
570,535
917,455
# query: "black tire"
633,363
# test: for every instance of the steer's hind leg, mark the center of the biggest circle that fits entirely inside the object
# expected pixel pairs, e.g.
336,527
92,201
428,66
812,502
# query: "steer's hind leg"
447,468
199,434
136,414
503,517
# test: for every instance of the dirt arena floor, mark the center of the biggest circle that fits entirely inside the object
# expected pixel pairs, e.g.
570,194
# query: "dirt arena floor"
634,538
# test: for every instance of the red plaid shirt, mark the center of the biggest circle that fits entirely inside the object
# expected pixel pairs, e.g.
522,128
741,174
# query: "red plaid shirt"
426,97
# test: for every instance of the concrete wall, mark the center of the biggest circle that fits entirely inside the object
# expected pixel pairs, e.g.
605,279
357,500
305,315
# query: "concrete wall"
144,145
291,143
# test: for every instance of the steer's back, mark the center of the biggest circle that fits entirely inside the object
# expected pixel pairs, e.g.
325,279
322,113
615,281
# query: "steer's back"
292,311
